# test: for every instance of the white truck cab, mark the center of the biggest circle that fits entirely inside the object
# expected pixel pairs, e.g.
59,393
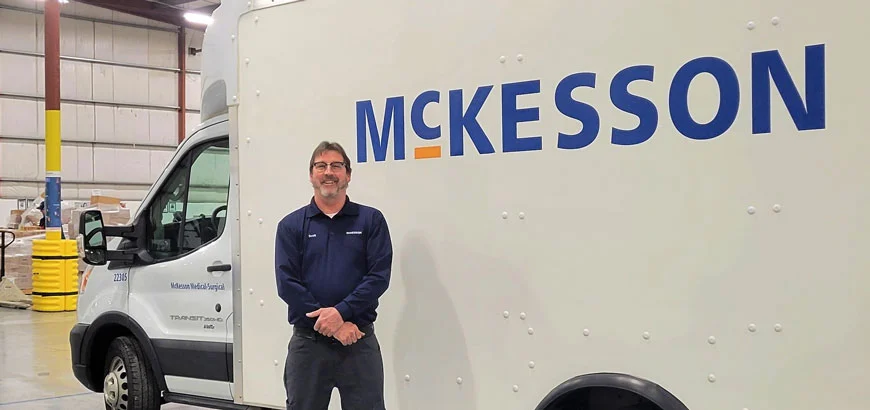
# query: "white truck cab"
637,205
167,287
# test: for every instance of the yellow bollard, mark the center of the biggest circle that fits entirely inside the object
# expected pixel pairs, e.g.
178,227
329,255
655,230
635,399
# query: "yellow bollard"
55,275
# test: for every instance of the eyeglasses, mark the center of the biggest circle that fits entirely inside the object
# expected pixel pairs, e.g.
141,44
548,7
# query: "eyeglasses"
334,166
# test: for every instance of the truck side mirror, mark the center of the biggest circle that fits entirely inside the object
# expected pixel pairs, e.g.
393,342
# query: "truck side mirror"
94,242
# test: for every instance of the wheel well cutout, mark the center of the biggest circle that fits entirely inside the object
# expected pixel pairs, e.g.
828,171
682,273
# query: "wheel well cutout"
608,391
602,398
102,340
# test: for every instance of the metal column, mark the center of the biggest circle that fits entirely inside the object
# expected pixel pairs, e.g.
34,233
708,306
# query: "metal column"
55,260
53,222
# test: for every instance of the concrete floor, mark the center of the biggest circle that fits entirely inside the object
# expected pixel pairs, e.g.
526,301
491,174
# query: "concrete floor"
35,369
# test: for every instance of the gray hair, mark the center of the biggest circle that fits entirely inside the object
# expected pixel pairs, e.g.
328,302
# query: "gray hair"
329,146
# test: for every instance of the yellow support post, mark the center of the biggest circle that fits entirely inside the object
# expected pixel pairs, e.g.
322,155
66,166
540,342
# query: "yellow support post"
55,275
55,260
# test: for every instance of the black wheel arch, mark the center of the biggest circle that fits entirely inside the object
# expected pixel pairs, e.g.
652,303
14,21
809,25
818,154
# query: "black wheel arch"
102,331
642,387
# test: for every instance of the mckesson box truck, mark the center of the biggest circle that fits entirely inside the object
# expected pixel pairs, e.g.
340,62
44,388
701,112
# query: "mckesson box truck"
593,205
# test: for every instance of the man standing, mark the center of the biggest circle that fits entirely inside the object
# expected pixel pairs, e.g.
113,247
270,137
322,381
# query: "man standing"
333,259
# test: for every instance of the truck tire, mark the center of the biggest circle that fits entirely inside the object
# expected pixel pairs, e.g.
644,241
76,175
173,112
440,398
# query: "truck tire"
128,382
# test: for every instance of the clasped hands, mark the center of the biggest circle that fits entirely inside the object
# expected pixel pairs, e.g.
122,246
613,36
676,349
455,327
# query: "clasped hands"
330,323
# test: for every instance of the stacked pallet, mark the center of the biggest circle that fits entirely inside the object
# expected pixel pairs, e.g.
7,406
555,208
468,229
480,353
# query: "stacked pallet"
19,265
112,209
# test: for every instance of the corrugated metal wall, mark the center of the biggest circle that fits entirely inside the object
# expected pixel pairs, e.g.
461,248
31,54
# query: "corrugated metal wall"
119,100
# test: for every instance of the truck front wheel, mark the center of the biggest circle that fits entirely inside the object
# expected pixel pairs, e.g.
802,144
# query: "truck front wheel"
128,382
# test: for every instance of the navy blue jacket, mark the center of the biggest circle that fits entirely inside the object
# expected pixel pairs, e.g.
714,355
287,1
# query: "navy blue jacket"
343,262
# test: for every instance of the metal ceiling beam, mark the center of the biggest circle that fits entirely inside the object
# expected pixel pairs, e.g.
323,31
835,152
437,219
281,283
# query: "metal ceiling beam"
177,2
206,9
147,9
91,19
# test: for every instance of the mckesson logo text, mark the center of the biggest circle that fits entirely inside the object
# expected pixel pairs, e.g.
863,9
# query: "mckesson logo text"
768,72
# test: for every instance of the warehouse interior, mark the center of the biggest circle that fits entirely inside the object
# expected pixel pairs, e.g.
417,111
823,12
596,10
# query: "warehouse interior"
555,206
129,93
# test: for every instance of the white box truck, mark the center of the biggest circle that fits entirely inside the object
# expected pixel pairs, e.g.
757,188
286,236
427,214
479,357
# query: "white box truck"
593,205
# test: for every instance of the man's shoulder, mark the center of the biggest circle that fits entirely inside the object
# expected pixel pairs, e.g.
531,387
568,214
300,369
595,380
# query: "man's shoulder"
292,218
369,211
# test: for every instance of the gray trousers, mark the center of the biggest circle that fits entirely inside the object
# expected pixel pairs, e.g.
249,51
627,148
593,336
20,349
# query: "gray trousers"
317,364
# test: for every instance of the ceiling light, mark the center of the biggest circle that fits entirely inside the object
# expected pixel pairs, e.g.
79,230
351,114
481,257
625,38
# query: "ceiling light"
198,18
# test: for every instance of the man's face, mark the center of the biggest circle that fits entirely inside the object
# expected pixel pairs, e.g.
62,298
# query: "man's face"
329,176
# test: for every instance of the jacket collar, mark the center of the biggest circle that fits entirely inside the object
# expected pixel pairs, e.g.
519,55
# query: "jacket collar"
349,208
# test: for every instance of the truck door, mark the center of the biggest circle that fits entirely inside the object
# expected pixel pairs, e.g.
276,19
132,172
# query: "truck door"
184,298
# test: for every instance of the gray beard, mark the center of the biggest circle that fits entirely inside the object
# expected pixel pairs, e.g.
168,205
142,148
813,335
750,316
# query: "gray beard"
334,194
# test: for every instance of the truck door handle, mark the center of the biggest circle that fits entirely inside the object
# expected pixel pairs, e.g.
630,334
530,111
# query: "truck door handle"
224,267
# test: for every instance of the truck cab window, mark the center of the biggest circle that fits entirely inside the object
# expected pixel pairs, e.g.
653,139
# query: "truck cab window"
190,208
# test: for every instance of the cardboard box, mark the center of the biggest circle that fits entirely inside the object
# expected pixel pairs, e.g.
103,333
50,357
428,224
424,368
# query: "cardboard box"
111,217
14,220
105,200
19,262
